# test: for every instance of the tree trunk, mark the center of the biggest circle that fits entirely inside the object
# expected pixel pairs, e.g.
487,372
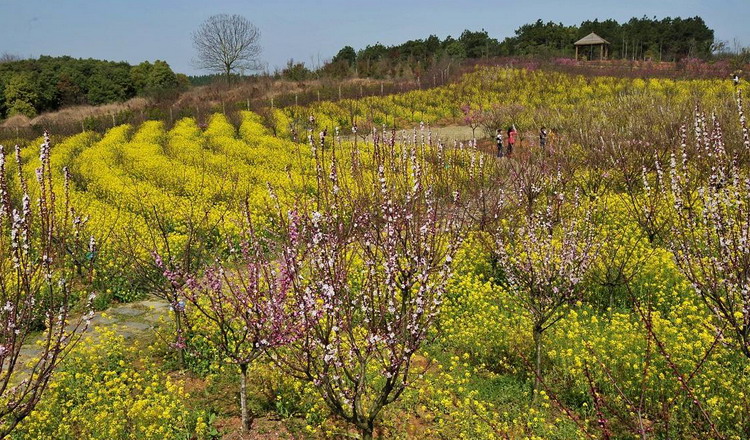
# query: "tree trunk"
366,432
247,418
537,358
180,338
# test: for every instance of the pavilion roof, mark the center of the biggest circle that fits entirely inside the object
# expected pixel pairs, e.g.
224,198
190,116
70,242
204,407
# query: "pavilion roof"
591,39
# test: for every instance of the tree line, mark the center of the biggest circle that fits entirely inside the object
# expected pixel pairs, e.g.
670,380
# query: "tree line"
31,86
667,39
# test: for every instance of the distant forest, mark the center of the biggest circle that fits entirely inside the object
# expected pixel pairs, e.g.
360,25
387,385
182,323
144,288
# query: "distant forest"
668,39
29,87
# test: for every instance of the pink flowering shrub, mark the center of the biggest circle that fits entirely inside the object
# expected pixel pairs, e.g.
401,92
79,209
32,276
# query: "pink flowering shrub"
348,292
544,259
45,263
711,238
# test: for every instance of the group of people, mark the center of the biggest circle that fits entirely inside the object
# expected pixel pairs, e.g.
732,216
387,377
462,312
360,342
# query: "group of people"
512,136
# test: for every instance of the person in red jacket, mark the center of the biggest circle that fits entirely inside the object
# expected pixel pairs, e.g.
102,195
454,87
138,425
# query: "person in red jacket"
512,134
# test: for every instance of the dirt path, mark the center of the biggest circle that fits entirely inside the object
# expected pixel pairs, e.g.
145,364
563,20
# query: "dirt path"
452,133
447,134
133,321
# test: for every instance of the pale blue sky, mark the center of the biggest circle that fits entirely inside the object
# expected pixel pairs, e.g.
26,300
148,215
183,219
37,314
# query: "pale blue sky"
138,30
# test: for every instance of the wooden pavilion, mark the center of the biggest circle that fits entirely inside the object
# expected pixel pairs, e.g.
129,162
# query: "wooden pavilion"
591,41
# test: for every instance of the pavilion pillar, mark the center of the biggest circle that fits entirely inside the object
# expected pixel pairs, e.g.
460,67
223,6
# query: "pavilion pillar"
576,53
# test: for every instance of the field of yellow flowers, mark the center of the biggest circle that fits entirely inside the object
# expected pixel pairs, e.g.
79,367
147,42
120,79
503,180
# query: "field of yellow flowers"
596,287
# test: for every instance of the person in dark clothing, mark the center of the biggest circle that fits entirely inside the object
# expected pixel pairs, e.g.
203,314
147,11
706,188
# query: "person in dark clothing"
543,137
499,141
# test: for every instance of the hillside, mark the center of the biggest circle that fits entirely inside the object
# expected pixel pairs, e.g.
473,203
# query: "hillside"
300,257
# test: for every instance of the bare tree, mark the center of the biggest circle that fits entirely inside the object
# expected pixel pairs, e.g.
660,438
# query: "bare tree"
7,57
226,43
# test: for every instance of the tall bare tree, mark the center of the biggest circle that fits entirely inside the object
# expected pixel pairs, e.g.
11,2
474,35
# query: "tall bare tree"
7,57
226,43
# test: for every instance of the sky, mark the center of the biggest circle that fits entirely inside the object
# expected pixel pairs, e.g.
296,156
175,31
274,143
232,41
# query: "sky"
310,31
